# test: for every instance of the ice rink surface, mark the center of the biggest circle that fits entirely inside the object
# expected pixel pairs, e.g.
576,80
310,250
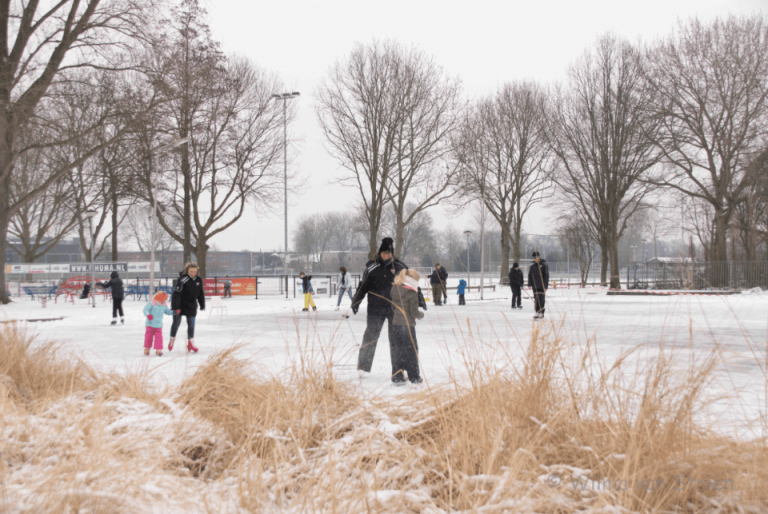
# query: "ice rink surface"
274,332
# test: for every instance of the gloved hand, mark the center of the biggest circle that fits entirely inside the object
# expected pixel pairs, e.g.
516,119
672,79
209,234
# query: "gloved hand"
177,312
355,308
150,317
202,308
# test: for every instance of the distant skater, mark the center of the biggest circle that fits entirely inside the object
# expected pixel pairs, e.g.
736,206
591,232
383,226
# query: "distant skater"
437,281
516,283
538,281
154,311
345,285
227,287
460,291
306,286
115,283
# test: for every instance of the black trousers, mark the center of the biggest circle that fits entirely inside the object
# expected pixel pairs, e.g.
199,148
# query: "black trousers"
539,298
516,296
461,300
373,327
117,306
406,353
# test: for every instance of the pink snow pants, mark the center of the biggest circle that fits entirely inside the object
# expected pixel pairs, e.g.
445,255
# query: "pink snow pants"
157,335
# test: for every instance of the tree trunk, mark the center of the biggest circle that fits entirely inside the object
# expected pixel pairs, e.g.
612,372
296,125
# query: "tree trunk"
3,242
201,254
115,255
399,237
720,247
505,244
187,215
603,262
614,258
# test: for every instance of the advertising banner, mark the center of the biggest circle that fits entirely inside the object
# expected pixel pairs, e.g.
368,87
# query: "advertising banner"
320,285
240,287
142,267
99,267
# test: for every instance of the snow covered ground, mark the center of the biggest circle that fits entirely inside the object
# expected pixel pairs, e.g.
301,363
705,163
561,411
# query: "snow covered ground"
275,331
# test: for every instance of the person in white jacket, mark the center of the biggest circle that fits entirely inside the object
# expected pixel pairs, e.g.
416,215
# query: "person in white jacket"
345,285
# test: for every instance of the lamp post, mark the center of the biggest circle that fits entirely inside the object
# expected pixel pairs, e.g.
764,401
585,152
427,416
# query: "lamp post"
90,215
285,97
157,151
468,233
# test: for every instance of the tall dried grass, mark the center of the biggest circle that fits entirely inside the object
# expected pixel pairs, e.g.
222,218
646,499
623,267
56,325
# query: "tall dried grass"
554,430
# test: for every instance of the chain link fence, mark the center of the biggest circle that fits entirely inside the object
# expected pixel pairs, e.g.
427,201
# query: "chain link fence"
731,275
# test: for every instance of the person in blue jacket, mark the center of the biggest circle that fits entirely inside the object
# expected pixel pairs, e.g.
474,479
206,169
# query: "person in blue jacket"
460,291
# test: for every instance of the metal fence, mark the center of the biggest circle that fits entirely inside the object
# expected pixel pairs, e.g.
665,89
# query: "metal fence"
698,275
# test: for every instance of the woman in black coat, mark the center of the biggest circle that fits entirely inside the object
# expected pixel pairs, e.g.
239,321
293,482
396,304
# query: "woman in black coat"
116,284
187,294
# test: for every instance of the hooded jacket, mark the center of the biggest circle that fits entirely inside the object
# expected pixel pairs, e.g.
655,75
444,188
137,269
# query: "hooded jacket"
408,300
187,294
538,276
462,286
516,277
116,284
157,310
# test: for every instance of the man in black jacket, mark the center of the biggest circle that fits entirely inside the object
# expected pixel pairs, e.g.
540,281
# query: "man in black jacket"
437,281
516,283
377,282
538,280
187,294
116,284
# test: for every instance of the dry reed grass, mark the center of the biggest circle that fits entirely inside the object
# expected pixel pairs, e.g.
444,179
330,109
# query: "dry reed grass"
233,438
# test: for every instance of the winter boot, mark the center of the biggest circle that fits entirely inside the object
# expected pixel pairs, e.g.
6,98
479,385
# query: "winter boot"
122,321
146,351
170,343
336,309
159,353
363,374
191,346
304,310
314,309
114,322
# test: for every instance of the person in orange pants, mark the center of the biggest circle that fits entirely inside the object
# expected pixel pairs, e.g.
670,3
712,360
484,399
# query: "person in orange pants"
306,286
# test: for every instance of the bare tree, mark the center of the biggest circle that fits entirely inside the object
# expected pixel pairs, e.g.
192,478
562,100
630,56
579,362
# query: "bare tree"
709,85
577,236
234,148
139,231
657,223
602,138
423,175
360,111
504,156
37,44
43,222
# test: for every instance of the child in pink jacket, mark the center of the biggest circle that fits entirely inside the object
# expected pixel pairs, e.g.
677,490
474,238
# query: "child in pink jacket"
154,311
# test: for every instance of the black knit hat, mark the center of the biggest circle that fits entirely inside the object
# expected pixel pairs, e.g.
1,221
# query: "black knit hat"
515,265
535,254
387,245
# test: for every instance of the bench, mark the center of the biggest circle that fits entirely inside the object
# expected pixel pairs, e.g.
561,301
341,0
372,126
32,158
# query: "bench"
46,291
137,291
492,287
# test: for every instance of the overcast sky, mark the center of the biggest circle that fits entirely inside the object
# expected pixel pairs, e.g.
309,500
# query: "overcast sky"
484,43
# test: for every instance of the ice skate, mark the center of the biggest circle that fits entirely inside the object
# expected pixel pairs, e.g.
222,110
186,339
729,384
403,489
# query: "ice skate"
399,382
363,374
122,321
170,343
314,309
159,353
146,351
114,322
191,346
418,382
336,309
304,310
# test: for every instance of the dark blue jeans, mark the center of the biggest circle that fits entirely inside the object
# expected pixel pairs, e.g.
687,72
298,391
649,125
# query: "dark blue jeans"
190,325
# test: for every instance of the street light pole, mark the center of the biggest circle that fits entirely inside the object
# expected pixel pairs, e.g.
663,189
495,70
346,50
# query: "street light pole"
157,151
285,97
90,215
468,233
